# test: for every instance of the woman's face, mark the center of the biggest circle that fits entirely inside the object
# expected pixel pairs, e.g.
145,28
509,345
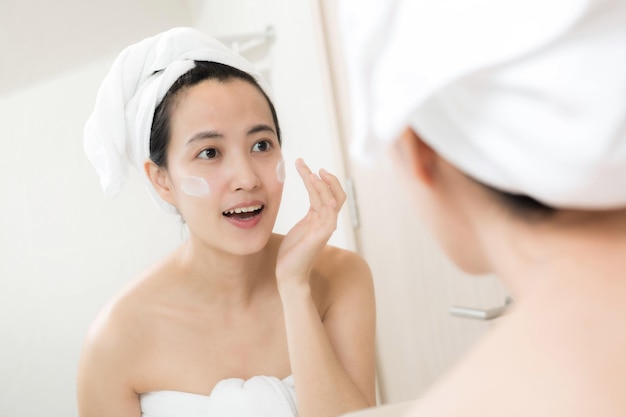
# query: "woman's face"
225,165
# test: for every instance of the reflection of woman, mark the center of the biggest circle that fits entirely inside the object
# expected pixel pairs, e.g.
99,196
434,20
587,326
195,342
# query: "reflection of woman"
237,320
509,120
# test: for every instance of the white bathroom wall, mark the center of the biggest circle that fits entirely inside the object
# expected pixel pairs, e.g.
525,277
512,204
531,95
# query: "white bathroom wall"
64,248
40,39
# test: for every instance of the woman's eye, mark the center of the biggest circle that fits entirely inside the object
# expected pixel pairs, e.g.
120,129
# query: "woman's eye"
262,146
208,153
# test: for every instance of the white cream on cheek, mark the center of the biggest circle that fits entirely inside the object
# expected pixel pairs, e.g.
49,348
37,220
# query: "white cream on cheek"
198,187
195,186
280,171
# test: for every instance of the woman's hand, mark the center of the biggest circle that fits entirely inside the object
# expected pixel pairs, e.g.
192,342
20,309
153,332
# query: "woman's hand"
330,338
304,242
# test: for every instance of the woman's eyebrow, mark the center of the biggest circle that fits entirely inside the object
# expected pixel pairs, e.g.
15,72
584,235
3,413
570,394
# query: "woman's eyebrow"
261,128
208,134
213,134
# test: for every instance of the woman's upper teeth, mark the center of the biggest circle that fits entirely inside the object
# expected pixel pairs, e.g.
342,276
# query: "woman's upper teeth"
243,209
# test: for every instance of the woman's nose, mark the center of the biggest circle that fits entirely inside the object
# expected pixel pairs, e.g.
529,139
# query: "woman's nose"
244,175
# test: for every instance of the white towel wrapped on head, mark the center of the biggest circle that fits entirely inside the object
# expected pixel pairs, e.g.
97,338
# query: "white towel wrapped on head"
118,131
528,96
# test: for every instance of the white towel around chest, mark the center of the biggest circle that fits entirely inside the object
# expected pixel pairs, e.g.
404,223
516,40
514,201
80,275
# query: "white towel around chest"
259,396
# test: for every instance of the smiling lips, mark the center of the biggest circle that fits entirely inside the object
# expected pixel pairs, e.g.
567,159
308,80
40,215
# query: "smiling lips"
244,213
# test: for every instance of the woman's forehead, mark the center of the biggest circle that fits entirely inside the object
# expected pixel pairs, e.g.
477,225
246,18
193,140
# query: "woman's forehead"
220,105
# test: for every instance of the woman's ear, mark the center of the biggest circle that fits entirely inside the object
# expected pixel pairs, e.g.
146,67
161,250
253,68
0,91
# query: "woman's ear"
160,180
421,159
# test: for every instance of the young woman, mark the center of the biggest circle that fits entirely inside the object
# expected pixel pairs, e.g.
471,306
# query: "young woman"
512,139
237,321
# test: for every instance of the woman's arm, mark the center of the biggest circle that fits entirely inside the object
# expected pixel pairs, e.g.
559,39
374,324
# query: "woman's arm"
350,323
103,383
332,360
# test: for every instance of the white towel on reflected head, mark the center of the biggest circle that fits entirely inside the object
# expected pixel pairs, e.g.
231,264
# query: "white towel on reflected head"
528,96
118,131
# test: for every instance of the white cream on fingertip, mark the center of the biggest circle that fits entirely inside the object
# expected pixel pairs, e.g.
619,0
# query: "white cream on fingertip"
195,186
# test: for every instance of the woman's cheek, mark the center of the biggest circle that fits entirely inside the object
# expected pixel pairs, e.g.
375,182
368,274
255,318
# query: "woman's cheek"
195,186
280,170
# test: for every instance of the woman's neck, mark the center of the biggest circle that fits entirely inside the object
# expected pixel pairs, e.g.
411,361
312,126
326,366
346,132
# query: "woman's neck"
576,250
226,277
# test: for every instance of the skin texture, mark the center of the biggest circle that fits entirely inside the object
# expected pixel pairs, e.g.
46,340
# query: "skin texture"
236,301
560,351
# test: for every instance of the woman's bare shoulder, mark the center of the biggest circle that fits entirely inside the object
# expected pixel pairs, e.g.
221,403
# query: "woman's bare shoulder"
110,365
123,324
338,263
334,263
340,274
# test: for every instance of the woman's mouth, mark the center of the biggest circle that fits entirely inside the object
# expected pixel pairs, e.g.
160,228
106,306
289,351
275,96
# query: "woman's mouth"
244,213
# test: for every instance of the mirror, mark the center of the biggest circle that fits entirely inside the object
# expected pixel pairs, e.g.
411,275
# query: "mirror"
65,248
